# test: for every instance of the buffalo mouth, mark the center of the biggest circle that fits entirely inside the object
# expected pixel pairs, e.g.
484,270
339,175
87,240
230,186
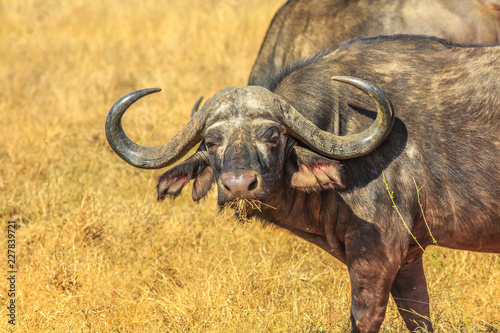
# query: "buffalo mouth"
243,209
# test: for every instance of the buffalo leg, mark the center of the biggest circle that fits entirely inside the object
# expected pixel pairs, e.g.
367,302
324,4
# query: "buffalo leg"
370,288
368,307
409,291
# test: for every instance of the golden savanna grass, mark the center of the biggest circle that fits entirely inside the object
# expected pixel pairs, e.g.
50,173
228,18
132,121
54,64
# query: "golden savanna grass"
95,251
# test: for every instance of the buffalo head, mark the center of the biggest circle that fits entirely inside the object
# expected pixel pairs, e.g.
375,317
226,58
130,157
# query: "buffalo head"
254,144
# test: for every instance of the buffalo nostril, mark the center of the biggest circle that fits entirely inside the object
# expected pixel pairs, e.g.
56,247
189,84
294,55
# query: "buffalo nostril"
239,185
253,185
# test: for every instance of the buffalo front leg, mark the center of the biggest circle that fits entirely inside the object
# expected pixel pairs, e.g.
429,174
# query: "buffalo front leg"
372,265
372,270
409,291
370,294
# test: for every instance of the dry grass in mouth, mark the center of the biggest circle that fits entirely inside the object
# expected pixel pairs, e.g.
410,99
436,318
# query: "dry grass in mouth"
242,208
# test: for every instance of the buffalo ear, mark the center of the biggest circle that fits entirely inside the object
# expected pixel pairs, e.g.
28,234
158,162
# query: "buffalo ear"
202,183
308,171
173,181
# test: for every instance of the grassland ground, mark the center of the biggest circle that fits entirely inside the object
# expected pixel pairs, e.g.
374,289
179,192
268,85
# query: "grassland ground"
95,251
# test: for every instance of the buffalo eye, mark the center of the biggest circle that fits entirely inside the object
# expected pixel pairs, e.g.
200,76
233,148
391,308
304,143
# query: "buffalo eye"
272,136
275,139
211,146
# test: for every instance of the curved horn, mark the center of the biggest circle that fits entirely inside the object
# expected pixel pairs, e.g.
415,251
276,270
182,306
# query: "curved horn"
150,157
349,146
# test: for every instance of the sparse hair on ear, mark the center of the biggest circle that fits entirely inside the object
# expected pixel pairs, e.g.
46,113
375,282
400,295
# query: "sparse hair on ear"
195,167
308,171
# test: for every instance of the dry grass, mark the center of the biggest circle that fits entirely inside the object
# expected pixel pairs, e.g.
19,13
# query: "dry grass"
241,209
96,253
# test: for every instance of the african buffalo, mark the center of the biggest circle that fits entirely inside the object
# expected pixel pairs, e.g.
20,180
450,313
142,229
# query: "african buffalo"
302,27
307,148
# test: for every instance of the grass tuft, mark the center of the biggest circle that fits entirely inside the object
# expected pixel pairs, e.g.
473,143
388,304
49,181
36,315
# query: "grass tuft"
242,209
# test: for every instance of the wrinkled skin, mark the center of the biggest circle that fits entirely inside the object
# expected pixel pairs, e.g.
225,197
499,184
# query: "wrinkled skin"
302,27
445,138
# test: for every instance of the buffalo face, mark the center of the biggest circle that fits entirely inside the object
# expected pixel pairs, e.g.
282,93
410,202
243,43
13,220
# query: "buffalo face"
246,156
243,151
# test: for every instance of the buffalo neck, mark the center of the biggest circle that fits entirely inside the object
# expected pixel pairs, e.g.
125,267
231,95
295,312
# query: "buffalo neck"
318,217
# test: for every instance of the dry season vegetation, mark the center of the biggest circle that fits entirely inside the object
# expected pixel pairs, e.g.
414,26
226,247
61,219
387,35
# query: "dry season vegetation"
95,251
